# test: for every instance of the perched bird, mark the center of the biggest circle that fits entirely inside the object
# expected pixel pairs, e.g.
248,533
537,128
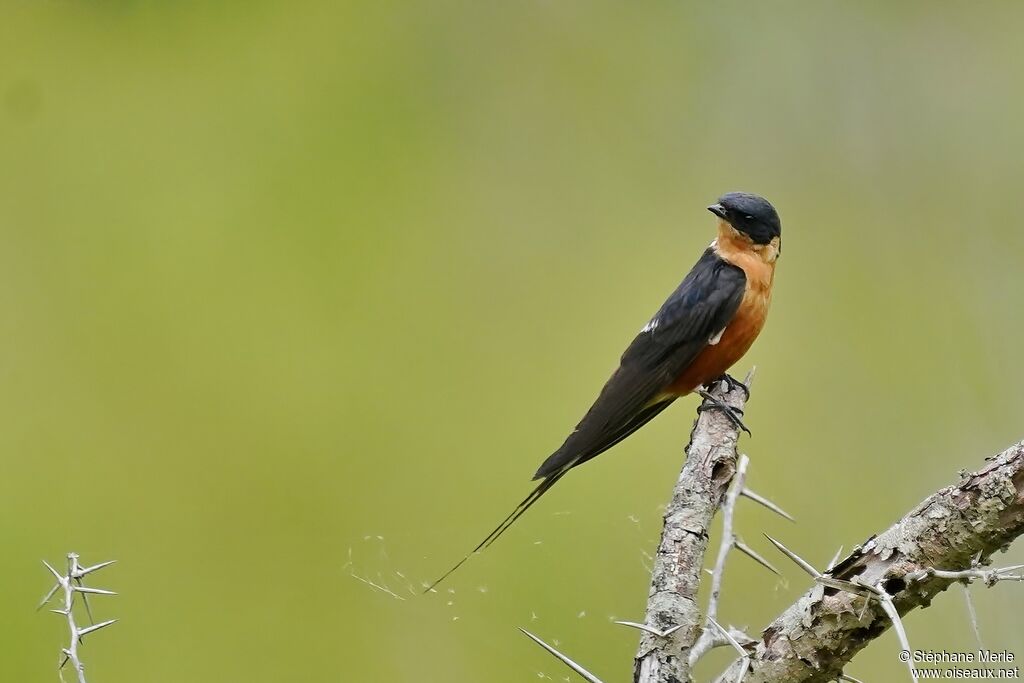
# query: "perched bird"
701,330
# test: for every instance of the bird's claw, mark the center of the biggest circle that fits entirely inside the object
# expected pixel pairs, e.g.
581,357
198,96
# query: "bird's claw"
733,414
733,383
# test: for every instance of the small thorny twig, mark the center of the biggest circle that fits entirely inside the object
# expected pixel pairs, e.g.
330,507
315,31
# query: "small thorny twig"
966,577
989,577
70,584
713,634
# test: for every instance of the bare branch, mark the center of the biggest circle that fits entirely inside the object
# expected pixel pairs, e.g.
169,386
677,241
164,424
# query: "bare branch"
711,461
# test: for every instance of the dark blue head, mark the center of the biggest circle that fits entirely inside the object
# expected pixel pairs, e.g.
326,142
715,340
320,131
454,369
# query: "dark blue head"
749,214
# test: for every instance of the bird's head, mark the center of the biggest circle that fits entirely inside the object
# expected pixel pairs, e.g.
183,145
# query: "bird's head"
750,215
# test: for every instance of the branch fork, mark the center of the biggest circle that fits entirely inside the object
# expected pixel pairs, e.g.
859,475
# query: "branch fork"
947,539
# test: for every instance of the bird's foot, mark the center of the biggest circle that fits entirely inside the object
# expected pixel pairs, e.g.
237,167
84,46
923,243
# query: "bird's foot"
733,383
734,414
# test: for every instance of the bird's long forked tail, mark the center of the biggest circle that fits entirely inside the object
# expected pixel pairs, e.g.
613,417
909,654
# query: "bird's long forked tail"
527,503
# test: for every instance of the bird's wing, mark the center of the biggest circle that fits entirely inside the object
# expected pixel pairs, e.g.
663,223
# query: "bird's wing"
697,310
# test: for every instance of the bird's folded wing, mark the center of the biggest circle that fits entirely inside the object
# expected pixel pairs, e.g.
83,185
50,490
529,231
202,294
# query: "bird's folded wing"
700,308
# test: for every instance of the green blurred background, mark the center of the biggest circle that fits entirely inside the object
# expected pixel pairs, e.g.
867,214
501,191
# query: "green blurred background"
295,293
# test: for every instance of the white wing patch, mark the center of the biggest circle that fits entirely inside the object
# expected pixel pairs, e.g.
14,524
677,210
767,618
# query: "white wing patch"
717,337
651,326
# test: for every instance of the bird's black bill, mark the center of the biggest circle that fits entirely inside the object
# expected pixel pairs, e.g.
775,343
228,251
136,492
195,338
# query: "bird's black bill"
718,210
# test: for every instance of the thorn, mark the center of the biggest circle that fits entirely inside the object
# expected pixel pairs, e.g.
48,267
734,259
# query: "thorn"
749,552
48,596
757,498
650,629
562,658
972,614
744,668
749,379
897,623
728,637
835,558
82,571
95,591
846,586
801,562
875,591
864,609
85,601
53,571
95,627
62,612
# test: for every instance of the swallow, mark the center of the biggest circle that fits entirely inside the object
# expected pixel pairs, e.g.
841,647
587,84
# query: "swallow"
701,330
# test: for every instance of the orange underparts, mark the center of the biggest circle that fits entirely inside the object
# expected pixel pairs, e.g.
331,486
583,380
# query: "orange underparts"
758,264
713,361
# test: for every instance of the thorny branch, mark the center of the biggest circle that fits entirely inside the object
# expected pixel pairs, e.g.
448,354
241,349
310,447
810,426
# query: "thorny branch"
948,538
673,620
711,462
70,584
